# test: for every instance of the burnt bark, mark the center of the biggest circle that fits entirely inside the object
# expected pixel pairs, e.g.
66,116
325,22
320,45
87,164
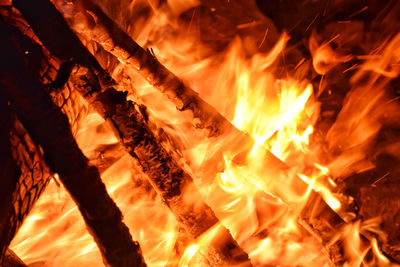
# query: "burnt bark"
50,129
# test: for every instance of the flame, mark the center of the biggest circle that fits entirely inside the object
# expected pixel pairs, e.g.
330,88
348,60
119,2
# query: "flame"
324,56
279,112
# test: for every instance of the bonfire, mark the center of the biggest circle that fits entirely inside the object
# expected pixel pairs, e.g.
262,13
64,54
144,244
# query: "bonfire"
199,133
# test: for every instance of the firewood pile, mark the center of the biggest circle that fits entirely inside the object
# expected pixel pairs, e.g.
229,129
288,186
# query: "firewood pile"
61,60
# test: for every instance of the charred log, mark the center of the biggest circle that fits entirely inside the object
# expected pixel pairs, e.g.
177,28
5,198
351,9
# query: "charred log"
50,128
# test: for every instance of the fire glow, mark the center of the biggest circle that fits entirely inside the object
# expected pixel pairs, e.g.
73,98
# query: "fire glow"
280,113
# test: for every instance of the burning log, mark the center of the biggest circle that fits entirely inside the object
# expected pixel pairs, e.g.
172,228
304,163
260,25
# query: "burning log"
50,128
130,124
107,33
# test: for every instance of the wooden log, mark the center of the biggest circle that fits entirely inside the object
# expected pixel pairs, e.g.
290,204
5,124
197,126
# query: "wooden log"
114,40
24,175
130,125
50,129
